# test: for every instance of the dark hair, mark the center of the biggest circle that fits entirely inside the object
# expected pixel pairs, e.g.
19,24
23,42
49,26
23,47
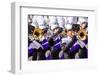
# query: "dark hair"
60,30
86,24
30,29
75,27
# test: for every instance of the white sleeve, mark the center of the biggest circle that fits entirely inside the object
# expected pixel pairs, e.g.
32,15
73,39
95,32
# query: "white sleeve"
35,45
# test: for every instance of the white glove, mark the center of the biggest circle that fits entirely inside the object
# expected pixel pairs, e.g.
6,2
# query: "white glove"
47,53
31,37
77,56
61,53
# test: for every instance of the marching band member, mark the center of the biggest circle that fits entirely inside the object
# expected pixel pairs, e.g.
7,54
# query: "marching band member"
84,26
61,23
78,44
68,39
36,47
83,21
44,42
55,42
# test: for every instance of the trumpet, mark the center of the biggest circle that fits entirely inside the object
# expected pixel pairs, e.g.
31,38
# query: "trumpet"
82,35
37,34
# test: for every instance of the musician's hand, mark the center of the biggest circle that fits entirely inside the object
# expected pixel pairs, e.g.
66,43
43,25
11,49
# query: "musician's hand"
61,53
31,37
48,53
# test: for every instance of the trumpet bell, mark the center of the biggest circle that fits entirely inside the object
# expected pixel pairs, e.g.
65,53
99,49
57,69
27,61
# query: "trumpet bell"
82,34
37,34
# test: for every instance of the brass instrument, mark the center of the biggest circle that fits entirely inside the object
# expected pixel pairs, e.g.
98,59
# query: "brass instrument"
37,34
82,35
63,33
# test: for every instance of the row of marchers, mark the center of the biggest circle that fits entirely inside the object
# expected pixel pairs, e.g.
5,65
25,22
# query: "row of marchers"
57,37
